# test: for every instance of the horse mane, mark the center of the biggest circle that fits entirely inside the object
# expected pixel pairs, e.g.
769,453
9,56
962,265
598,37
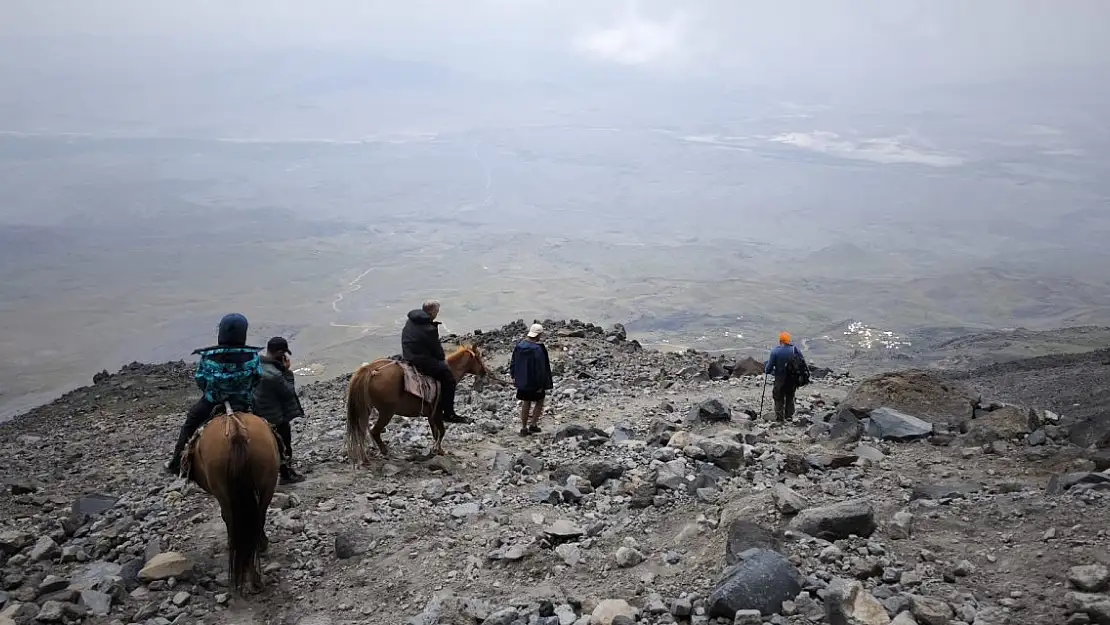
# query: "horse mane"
468,347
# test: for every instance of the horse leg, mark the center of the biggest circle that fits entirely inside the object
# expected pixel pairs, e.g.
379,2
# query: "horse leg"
384,417
439,431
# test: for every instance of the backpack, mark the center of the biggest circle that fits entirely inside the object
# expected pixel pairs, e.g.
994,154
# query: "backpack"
228,381
797,369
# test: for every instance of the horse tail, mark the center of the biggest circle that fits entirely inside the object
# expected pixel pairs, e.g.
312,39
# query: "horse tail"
359,408
245,525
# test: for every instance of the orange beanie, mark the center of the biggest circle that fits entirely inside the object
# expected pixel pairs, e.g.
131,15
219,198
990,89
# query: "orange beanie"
784,338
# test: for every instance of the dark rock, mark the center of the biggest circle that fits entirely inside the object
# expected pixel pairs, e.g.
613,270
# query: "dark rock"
710,411
717,371
575,430
14,541
92,505
744,535
830,460
845,426
1006,423
1101,459
350,544
890,424
761,581
942,491
622,432
795,464
1093,431
837,521
642,496
22,486
727,454
746,367
1060,483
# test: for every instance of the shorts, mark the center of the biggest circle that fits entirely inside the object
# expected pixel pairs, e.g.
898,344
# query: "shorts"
531,395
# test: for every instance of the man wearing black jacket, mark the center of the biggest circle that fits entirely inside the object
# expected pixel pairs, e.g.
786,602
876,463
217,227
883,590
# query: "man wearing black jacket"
420,345
275,400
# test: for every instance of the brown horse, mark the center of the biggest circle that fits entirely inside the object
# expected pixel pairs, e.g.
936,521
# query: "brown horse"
379,386
235,459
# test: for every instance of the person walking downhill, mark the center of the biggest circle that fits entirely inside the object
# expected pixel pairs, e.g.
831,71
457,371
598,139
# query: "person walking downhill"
276,401
531,370
789,367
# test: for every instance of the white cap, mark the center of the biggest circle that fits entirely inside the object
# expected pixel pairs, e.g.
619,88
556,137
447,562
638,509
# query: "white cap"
535,330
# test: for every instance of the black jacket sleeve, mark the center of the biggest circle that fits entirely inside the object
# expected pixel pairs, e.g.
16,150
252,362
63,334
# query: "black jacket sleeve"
290,403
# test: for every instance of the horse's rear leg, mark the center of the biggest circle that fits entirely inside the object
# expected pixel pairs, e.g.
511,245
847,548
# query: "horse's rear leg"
439,431
384,417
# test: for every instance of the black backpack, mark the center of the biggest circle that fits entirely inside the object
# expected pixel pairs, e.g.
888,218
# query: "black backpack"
797,369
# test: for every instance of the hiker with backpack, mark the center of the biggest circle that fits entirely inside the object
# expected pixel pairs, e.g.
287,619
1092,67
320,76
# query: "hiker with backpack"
791,372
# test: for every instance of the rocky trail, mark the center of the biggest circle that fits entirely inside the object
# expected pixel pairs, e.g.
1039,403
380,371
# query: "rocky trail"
656,494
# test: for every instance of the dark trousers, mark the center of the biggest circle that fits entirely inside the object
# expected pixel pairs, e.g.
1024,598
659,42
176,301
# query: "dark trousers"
441,372
285,433
783,394
197,416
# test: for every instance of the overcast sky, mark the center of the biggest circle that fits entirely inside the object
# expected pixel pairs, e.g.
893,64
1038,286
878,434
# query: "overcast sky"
71,49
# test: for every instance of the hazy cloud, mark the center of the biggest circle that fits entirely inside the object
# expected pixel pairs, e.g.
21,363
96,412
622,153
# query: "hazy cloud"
638,40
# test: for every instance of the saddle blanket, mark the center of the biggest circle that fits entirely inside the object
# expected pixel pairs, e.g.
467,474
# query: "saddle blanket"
416,383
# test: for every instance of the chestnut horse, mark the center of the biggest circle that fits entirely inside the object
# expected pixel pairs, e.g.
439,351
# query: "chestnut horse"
235,459
380,386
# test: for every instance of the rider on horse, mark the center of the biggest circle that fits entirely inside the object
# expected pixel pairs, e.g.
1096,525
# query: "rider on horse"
227,372
420,346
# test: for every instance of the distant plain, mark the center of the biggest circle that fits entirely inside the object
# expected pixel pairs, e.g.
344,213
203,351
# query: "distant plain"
123,247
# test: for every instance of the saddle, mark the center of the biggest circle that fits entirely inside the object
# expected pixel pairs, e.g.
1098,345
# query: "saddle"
420,385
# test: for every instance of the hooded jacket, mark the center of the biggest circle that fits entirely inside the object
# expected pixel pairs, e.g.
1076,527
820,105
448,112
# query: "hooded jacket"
275,396
420,340
531,367
230,370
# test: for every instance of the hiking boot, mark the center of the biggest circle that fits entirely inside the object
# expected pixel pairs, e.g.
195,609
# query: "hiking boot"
289,475
524,432
455,418
535,429
172,467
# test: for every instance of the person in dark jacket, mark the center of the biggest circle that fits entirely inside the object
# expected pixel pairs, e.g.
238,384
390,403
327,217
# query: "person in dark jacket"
785,387
420,345
275,400
531,370
227,372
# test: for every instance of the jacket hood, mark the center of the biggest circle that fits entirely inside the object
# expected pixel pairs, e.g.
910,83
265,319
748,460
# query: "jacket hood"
419,316
530,345
233,331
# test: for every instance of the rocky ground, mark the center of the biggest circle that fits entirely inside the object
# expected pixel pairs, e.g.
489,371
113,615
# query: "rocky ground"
656,494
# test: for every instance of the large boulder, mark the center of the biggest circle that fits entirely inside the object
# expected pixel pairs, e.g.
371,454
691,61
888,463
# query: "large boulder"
710,411
747,366
837,521
893,425
1002,424
920,393
1091,432
762,580
744,535
848,603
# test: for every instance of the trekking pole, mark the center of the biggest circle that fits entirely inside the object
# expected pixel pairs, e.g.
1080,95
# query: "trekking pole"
762,395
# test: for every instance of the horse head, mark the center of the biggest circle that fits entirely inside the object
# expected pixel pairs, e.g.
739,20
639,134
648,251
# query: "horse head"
476,364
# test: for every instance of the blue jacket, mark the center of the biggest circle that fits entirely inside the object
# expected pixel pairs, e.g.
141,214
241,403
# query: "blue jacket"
530,367
229,370
776,362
